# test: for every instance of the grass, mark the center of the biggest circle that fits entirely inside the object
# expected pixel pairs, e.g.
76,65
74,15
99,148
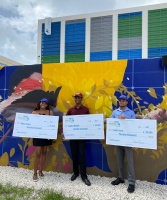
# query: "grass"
9,192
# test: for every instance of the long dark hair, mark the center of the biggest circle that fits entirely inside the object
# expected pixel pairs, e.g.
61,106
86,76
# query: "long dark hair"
38,106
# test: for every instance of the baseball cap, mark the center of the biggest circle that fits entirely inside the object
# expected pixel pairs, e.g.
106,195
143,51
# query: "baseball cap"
123,97
78,94
44,100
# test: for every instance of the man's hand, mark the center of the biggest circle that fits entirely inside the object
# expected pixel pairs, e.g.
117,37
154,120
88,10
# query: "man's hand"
122,117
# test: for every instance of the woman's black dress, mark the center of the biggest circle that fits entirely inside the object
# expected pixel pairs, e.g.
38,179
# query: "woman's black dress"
41,142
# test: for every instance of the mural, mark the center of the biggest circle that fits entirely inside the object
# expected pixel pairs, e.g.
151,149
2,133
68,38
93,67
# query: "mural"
143,80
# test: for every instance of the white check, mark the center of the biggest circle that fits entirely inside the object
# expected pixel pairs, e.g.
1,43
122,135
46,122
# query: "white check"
140,133
35,126
83,126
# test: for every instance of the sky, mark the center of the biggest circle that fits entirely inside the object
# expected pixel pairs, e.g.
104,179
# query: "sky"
19,21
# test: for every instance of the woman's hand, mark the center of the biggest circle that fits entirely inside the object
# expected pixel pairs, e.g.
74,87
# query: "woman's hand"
62,135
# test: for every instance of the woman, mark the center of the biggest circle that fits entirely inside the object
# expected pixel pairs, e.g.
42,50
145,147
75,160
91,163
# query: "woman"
42,108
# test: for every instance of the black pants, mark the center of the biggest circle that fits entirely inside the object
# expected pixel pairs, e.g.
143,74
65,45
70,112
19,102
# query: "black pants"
78,153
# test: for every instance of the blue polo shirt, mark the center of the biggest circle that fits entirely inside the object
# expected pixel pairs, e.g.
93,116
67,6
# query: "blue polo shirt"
129,114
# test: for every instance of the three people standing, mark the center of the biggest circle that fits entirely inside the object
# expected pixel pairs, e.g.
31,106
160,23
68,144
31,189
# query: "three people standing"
78,147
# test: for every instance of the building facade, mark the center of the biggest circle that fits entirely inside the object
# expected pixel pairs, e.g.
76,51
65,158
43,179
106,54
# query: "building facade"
132,33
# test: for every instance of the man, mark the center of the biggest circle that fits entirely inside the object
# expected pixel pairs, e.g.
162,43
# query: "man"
78,146
123,112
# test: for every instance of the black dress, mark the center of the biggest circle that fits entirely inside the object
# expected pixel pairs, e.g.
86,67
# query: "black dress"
41,142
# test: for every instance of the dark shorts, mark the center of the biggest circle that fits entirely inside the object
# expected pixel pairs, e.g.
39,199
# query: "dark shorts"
41,142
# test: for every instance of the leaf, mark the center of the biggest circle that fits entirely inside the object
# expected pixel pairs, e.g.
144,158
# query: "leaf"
152,92
21,148
163,138
4,160
144,151
98,103
103,92
52,88
106,83
132,93
106,111
21,165
93,97
12,151
93,88
114,100
138,98
66,105
156,154
132,102
153,157
108,102
165,87
145,102
25,139
161,152
29,142
151,106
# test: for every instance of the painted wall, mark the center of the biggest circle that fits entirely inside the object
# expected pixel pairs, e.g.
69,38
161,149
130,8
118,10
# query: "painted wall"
143,80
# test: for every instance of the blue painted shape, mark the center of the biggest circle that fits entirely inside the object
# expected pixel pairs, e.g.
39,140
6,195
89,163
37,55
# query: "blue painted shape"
128,75
155,77
1,147
145,80
2,119
146,97
12,142
2,94
93,149
147,65
162,177
160,182
7,128
128,79
3,78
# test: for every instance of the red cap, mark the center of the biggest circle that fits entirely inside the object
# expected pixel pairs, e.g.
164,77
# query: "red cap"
78,94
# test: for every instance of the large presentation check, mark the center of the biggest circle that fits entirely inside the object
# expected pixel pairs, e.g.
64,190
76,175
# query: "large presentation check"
83,126
140,133
35,126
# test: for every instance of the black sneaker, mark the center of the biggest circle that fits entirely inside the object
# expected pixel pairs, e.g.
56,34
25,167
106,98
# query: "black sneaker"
131,188
117,181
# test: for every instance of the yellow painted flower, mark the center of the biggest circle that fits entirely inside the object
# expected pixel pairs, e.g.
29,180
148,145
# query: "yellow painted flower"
96,80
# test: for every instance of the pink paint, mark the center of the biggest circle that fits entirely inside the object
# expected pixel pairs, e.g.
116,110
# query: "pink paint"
30,150
66,166
57,166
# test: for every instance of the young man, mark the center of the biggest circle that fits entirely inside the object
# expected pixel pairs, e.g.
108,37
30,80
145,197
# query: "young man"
123,112
78,146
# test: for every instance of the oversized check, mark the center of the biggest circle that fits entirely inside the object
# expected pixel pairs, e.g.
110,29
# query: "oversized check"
35,126
83,126
140,133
